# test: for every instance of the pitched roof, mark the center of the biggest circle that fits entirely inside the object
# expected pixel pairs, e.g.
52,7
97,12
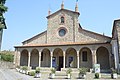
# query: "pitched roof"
35,36
63,10
96,33
80,28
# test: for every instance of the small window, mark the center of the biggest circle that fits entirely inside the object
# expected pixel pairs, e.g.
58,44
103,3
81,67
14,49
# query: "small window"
42,56
84,56
62,20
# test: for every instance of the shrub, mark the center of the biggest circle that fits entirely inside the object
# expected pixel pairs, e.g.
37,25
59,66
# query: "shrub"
7,57
69,71
24,68
18,66
83,70
97,75
53,70
32,73
37,70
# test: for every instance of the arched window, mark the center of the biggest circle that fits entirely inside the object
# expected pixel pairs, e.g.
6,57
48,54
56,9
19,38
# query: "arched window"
62,19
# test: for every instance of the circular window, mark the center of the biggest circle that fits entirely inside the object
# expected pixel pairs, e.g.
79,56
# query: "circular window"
62,32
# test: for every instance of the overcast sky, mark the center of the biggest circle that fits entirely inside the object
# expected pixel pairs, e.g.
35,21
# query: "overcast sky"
26,18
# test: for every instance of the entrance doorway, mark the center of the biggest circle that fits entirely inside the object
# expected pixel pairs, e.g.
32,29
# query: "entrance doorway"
60,63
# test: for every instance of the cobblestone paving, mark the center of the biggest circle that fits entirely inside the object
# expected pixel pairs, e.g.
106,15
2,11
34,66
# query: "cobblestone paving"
12,74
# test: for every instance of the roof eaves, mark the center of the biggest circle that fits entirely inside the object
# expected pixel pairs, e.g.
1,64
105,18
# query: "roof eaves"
50,45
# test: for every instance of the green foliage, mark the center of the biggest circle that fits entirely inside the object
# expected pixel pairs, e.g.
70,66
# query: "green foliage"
53,70
3,8
24,68
69,71
2,1
37,70
2,26
18,66
7,57
32,73
83,70
97,75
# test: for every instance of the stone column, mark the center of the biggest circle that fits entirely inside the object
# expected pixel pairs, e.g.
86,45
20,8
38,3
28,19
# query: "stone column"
18,58
15,59
39,59
51,58
94,60
115,52
78,59
29,55
64,59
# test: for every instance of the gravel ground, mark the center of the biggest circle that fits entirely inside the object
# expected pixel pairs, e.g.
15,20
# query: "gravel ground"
12,74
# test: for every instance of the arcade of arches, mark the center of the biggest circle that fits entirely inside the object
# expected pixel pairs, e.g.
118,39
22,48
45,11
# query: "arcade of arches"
61,58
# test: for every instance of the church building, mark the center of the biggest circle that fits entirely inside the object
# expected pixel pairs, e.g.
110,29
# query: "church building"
66,44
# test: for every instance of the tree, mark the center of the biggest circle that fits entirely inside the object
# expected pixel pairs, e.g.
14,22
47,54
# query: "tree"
3,9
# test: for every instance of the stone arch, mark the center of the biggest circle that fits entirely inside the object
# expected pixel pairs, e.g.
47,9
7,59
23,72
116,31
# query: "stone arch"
58,58
85,56
102,55
45,58
24,58
34,58
71,58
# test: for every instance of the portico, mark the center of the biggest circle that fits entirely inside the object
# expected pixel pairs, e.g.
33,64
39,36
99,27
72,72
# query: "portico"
65,56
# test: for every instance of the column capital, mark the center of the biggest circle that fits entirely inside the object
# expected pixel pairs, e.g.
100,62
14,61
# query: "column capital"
77,53
29,54
64,53
94,52
39,53
51,53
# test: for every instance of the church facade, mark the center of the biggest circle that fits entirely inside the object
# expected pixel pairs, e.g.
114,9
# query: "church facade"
66,44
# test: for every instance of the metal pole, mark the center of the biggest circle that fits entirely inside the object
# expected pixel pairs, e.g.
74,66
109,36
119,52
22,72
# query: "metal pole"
1,32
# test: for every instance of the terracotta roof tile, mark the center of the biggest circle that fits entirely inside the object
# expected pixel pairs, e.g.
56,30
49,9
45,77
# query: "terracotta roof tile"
60,44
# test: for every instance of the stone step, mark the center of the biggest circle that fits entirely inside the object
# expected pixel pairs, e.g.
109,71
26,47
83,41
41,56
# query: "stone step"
73,69
45,69
60,73
89,76
105,71
63,75
60,76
